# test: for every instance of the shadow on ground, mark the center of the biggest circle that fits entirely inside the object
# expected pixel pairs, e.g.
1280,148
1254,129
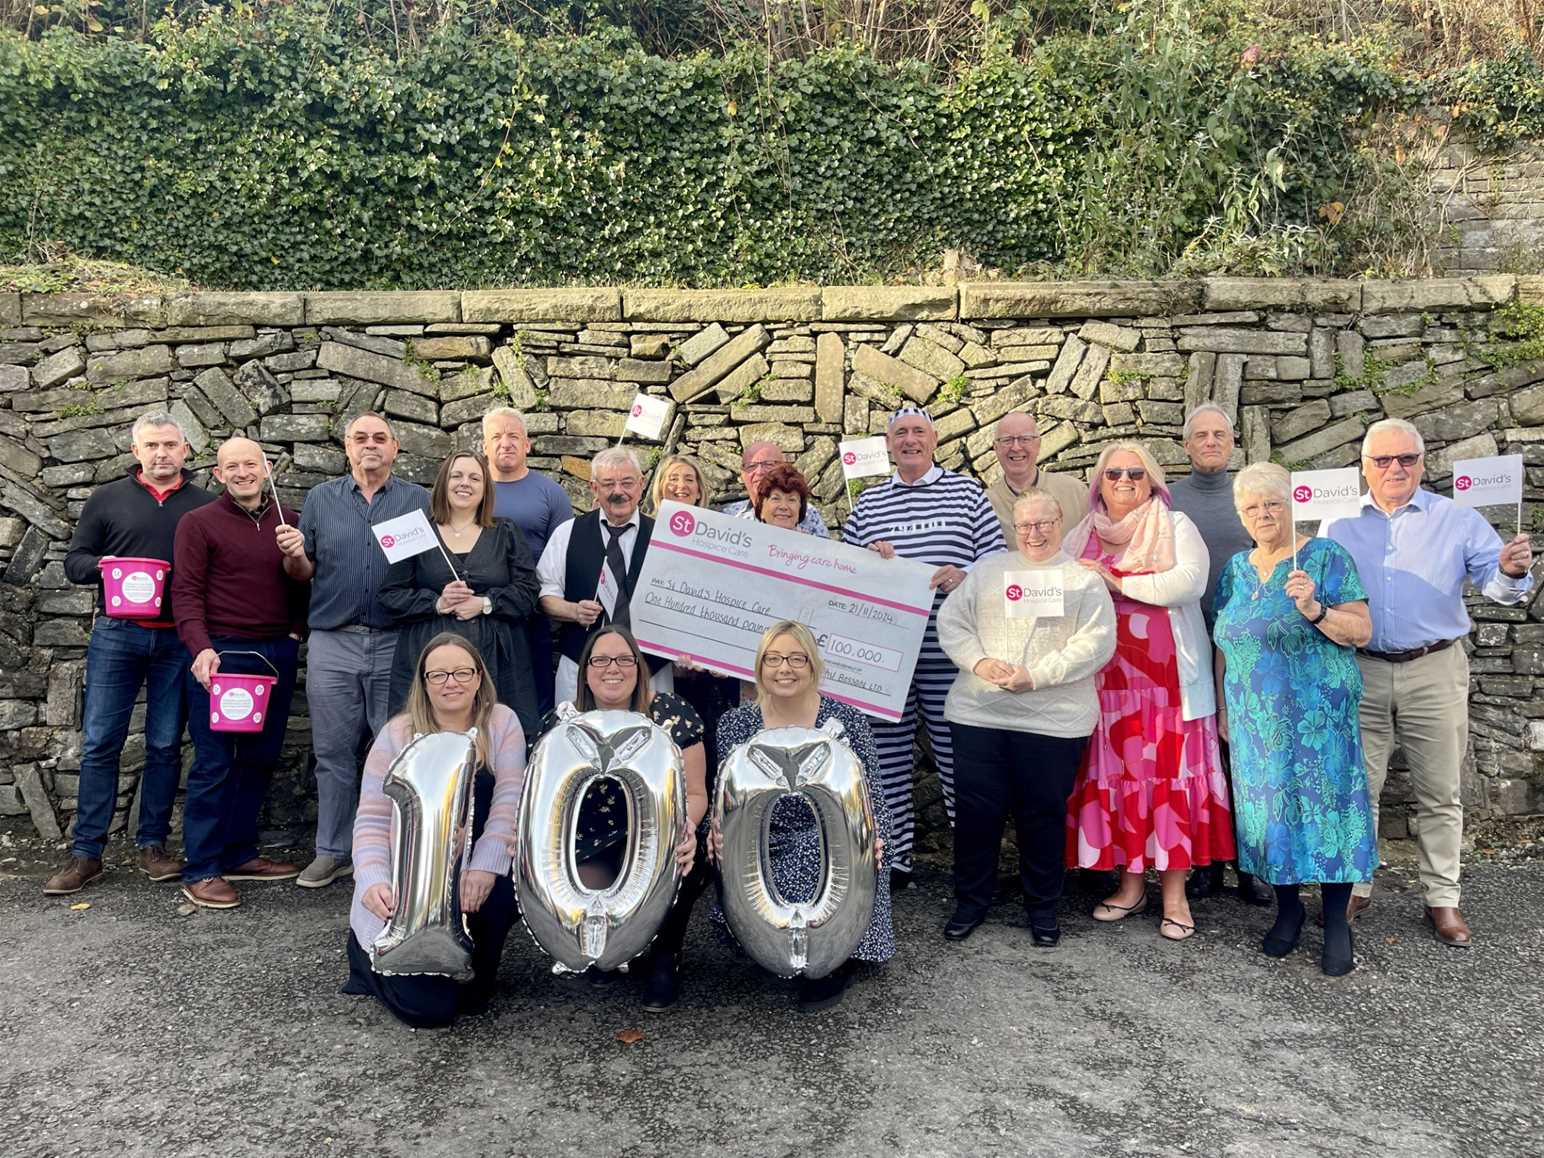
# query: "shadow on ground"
131,1029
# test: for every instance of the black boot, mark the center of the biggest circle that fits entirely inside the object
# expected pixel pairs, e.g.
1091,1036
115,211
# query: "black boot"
660,981
1205,882
823,992
1252,890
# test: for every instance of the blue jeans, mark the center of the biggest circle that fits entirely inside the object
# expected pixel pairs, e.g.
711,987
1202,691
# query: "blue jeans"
122,657
230,772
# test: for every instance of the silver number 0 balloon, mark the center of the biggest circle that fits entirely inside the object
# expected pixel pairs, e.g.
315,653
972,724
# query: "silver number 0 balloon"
786,937
577,925
431,783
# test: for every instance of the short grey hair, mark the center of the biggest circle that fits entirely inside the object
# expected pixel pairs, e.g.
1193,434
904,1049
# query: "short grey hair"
1205,408
1262,478
615,456
1392,426
1032,496
155,418
504,412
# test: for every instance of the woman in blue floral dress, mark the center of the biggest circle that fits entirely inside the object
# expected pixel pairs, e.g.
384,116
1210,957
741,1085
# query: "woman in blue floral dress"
1290,689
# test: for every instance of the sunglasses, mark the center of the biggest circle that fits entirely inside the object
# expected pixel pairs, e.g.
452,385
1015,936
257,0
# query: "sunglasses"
1134,473
1384,461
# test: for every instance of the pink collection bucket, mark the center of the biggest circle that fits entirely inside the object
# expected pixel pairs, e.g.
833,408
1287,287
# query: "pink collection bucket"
239,703
133,588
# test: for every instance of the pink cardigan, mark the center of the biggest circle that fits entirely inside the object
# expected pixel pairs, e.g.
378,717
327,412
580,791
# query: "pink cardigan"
375,821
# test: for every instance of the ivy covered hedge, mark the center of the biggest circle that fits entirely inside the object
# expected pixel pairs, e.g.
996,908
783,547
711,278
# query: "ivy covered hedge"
250,152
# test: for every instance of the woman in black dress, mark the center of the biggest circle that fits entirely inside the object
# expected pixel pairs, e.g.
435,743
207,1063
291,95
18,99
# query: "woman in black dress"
486,600
608,669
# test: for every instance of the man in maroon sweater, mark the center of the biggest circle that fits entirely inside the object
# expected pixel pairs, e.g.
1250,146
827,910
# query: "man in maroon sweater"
240,614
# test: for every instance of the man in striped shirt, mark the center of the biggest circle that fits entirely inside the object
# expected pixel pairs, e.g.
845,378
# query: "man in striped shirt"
932,515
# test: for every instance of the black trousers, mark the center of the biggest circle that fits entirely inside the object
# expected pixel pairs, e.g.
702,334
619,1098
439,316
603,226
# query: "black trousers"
425,1001
998,772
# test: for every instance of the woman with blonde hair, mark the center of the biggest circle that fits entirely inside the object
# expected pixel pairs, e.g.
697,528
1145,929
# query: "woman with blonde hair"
451,692
1151,793
788,673
678,478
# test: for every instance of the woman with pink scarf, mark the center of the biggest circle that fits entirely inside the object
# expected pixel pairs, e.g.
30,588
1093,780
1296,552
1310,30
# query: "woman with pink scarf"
1151,792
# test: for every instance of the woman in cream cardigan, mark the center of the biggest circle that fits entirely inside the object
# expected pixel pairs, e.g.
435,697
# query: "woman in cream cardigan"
1021,710
1152,793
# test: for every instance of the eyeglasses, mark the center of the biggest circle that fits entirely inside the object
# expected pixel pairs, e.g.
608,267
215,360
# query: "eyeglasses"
1134,473
1018,440
758,467
624,662
461,675
796,661
1384,461
1268,507
1041,525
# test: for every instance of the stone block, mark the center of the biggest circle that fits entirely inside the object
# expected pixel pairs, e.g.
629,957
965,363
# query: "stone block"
13,378
1148,365
512,373
460,348
193,357
368,366
1438,293
1300,420
742,378
28,555
464,410
83,445
146,362
581,367
297,428
1351,348
933,360
1227,383
855,415
571,303
701,344
68,309
650,345
1254,435
1071,299
1400,404
1122,338
18,459
261,346
1391,326
940,337
1459,421
426,441
856,303
206,308
1242,293
1439,462
1322,441
1090,372
326,460
757,413
1003,400
786,438
1221,340
1293,369
638,370
58,367
1528,406
830,376
707,373
787,304
30,784
1067,362
192,428
1027,336
916,384
221,391
406,404
372,306
1119,414
10,309
606,424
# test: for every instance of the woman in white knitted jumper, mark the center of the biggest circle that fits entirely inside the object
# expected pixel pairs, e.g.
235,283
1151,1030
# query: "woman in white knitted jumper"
1028,630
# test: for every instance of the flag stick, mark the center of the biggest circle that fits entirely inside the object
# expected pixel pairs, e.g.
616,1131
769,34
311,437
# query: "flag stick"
1294,544
279,507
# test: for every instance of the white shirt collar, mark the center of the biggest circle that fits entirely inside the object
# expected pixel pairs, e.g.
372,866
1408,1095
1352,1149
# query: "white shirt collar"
932,475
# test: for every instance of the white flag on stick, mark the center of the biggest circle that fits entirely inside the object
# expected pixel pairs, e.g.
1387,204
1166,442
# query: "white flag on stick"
648,416
405,536
1485,482
863,457
1326,494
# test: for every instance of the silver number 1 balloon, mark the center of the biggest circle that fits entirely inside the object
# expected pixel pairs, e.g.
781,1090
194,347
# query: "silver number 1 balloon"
431,783
607,927
786,937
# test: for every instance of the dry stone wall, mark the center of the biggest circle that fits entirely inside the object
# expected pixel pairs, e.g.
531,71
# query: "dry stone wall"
1304,367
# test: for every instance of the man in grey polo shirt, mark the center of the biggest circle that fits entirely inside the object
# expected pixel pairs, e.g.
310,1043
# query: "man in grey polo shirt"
351,647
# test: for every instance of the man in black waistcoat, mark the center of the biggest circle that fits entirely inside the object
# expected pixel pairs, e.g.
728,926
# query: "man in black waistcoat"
590,566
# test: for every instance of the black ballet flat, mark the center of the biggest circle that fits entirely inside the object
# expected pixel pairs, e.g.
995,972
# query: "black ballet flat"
899,879
1275,946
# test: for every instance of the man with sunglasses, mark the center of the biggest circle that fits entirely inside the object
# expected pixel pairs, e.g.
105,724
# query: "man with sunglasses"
759,458
1017,445
1414,550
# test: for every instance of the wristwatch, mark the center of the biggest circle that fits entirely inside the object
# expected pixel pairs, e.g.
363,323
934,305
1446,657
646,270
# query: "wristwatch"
1324,609
487,605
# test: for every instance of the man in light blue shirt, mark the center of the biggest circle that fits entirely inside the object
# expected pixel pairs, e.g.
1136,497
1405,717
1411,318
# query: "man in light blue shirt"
1414,550
759,458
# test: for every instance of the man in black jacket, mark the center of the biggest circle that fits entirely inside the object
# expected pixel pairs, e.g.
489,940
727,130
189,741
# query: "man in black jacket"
134,644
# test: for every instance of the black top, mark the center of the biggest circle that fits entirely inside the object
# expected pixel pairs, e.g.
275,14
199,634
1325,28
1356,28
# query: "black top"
123,518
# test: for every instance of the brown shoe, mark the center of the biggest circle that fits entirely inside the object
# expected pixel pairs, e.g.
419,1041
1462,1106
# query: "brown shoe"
260,868
73,877
214,893
1449,926
157,865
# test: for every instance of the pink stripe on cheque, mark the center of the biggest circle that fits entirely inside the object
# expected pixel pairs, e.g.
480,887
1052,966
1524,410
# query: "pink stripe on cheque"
656,545
874,709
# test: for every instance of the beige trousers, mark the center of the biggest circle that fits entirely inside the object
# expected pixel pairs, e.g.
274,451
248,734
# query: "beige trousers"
1423,707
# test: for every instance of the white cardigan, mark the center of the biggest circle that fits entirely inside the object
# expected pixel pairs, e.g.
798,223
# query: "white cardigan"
1180,589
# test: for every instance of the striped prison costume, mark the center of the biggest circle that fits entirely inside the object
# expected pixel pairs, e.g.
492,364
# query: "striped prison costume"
942,518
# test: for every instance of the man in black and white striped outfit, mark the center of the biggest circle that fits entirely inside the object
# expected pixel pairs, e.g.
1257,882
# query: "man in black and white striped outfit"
932,515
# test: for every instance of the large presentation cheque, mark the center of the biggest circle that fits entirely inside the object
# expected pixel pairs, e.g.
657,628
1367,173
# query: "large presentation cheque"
712,583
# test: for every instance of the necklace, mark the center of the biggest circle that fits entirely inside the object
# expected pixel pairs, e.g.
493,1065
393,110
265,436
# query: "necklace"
458,532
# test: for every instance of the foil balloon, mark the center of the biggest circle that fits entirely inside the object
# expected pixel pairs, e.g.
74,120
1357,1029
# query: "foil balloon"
790,938
431,783
577,925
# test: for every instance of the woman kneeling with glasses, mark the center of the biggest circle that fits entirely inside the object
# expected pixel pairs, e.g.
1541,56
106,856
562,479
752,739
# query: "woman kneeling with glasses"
788,673
451,693
609,667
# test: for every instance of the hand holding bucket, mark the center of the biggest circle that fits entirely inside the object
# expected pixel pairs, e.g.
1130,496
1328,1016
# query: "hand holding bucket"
239,703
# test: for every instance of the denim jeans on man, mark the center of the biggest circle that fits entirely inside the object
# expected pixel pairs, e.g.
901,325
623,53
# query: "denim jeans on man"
230,772
122,657
348,677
